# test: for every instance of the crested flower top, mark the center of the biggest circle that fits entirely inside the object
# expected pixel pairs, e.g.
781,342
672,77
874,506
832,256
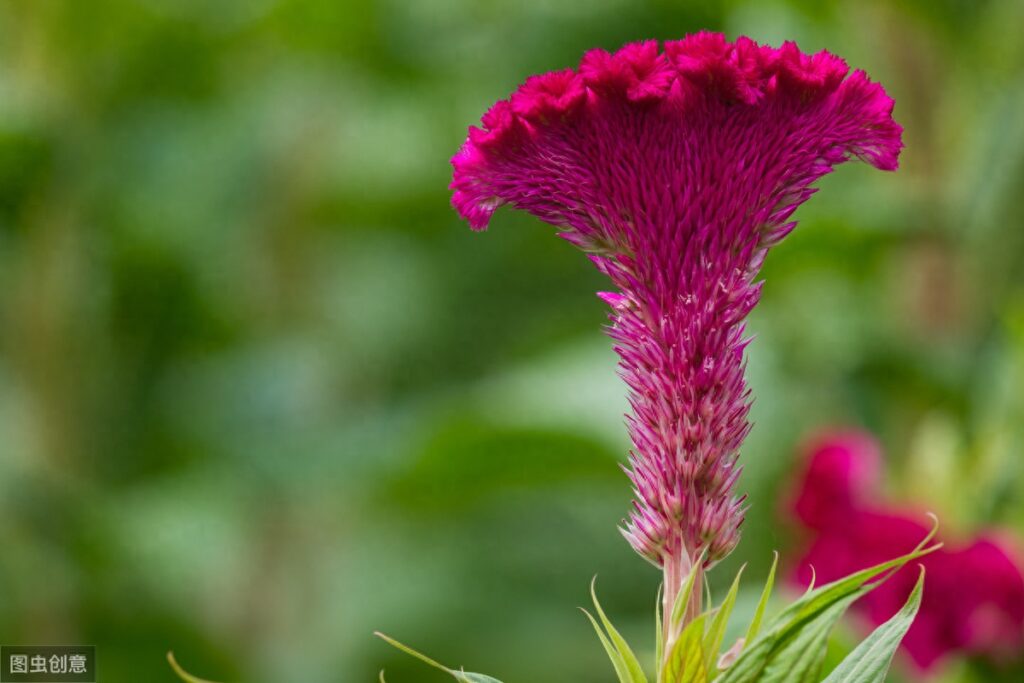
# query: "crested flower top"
641,135
676,170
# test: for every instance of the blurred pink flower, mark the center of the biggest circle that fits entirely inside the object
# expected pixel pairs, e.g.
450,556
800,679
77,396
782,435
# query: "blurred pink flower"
836,481
973,601
676,171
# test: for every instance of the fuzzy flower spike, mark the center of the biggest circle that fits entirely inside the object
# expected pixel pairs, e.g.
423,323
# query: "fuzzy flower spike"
676,170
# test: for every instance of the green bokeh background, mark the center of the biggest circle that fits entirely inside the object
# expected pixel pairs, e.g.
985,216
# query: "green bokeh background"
261,392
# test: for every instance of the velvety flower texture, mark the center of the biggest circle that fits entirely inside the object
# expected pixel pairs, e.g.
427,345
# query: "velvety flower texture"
973,601
676,170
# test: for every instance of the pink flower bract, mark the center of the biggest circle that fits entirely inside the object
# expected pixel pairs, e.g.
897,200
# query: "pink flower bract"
676,170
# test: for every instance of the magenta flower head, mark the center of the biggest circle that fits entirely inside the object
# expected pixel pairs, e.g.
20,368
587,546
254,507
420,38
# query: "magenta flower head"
676,170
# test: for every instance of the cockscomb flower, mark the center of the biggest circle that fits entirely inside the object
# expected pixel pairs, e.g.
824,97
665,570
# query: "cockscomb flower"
676,170
974,598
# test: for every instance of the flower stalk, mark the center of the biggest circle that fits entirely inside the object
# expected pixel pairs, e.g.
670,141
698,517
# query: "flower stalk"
676,578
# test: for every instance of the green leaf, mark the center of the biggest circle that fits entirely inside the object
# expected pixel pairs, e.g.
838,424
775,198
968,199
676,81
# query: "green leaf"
794,654
814,580
821,597
620,666
806,620
800,659
182,674
626,665
465,677
632,664
685,663
716,632
682,600
869,662
461,676
755,625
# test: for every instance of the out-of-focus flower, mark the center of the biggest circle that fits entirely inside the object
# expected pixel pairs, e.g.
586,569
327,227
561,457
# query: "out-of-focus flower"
840,480
675,171
973,601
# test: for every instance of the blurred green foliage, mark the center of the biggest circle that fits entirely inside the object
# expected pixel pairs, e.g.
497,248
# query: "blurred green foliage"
261,392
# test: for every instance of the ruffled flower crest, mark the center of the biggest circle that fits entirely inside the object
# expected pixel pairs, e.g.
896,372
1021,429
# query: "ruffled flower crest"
676,170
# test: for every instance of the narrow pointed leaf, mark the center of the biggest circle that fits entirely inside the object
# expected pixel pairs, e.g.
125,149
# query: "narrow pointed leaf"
800,660
795,656
633,668
812,611
829,593
869,662
617,662
813,582
716,632
461,676
755,625
182,674
466,677
682,600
